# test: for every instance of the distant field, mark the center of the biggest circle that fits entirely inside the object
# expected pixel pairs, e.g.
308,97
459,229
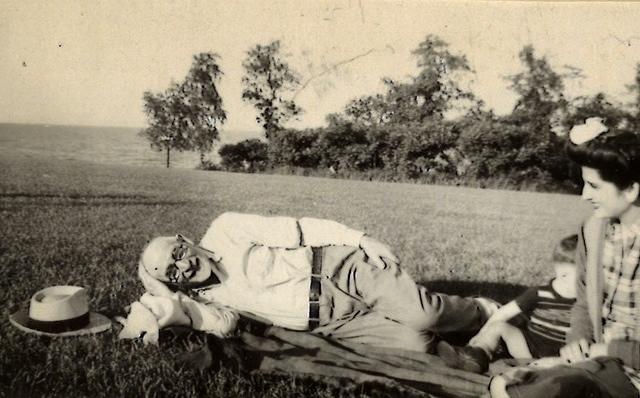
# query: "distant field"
70,222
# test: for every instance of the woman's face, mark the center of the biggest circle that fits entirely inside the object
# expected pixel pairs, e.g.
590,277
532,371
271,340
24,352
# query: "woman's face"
607,199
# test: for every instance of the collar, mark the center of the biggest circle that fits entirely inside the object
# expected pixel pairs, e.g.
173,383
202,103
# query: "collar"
623,232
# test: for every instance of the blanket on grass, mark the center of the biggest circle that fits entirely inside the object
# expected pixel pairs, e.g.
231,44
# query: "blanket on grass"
264,349
261,348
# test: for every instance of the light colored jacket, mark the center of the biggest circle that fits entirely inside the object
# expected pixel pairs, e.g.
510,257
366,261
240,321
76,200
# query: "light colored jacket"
586,316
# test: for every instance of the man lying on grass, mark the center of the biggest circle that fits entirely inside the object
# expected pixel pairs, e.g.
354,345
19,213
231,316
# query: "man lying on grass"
309,275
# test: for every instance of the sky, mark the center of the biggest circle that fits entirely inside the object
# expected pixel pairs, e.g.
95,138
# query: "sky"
89,62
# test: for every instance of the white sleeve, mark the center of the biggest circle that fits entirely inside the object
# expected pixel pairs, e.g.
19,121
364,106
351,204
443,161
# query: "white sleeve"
210,318
286,232
320,232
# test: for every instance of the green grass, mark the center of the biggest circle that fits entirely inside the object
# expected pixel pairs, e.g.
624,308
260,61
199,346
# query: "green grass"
68,222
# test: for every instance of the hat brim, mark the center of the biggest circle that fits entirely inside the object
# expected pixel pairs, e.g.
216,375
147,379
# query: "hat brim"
97,323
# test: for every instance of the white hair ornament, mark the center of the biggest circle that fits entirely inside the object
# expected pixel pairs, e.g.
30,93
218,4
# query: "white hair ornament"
591,128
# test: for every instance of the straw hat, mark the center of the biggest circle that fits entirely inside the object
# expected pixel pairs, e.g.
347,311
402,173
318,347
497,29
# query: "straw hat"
60,311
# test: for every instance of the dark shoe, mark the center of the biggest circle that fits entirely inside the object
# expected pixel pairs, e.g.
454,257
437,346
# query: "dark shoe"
469,358
200,359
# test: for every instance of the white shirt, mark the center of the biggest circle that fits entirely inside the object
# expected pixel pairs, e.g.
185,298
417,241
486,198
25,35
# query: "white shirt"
266,263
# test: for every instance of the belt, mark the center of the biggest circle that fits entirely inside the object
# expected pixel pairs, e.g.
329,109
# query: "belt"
315,289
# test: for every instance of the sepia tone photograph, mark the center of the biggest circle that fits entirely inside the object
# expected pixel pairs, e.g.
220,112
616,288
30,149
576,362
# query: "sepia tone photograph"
349,198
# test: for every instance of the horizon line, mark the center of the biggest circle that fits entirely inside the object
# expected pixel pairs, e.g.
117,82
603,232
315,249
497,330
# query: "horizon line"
99,126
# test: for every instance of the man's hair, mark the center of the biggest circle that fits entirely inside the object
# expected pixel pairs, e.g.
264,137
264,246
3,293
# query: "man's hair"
174,287
565,250
616,156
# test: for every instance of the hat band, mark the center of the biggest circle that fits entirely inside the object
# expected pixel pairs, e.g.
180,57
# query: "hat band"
65,325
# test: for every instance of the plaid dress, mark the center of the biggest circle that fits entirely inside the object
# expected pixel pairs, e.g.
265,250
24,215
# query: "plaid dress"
621,298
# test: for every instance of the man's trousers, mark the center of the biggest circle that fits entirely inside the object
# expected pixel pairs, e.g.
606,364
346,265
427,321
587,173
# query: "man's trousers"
385,307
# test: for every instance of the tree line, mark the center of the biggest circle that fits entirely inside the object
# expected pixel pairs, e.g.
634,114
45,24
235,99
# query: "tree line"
425,128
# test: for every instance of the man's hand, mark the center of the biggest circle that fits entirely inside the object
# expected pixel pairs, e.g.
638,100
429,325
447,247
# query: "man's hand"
379,254
576,351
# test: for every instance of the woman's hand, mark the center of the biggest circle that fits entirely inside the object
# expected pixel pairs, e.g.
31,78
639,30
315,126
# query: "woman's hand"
576,351
598,350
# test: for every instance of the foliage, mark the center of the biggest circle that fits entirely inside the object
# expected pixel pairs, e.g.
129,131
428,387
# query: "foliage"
428,95
343,147
408,132
496,146
433,91
163,132
186,116
204,103
268,83
528,136
369,110
424,149
598,105
634,89
294,148
409,151
540,88
248,155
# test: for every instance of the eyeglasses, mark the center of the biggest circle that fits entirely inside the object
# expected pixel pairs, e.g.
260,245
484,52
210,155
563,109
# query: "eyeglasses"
179,252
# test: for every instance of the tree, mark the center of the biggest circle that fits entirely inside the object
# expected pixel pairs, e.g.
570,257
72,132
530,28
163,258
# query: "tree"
204,103
426,96
267,81
634,89
343,146
163,132
540,88
369,110
541,99
186,116
434,90
248,155
598,105
495,146
294,148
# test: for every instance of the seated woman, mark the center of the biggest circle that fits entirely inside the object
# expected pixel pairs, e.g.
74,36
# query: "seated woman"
603,356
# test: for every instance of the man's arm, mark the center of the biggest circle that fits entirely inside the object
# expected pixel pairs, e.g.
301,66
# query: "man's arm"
285,232
290,233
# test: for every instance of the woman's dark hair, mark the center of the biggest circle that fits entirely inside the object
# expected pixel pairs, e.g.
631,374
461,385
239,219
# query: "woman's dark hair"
615,155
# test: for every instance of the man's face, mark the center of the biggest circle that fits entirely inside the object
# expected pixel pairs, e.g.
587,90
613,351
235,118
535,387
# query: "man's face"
607,199
177,260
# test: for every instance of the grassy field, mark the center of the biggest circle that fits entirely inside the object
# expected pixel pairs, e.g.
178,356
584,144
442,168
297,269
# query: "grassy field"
67,222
